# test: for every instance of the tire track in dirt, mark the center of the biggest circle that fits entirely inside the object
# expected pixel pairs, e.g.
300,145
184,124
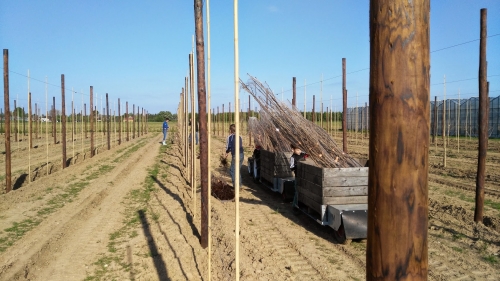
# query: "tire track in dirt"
64,242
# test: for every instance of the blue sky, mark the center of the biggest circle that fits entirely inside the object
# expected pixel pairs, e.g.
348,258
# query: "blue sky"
138,50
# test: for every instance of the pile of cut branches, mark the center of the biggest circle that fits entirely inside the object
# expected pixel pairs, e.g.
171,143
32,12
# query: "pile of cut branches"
280,125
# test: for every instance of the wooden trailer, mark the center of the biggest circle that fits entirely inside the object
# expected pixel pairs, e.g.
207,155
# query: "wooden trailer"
274,166
337,197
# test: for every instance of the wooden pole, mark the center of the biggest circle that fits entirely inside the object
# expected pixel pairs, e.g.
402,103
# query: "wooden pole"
108,124
119,125
313,115
36,121
344,107
6,104
434,121
482,120
294,97
30,139
399,118
305,99
202,111
92,129
133,121
458,123
63,122
444,123
126,120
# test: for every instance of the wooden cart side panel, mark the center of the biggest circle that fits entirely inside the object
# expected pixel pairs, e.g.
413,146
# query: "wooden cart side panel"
345,181
345,172
345,200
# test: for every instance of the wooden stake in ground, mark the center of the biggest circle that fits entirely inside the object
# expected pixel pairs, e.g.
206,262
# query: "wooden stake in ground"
444,123
133,124
16,115
202,111
313,115
482,120
6,104
119,125
63,122
30,139
46,126
399,144
108,124
92,112
126,119
344,108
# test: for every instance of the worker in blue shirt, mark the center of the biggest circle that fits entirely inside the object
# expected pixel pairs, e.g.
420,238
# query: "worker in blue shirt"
231,148
165,130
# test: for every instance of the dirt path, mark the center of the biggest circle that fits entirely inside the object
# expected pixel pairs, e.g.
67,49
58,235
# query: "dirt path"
64,243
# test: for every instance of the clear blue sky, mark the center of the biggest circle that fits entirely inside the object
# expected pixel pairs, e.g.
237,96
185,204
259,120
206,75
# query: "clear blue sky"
138,50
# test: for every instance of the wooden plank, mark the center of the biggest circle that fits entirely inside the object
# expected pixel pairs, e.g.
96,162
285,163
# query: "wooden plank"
344,181
312,196
313,188
310,203
345,172
345,200
345,191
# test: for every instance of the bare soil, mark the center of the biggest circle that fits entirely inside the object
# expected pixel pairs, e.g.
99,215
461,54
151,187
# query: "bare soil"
128,214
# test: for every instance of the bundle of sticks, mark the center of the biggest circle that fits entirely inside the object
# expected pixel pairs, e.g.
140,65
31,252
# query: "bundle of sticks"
280,125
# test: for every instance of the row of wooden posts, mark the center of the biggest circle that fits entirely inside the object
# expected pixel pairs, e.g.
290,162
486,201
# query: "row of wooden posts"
142,127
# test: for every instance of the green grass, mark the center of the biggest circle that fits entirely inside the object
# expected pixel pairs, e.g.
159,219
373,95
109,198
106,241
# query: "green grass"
460,250
491,259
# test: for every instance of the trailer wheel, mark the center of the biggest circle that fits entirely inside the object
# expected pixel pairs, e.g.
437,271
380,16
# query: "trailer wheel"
339,235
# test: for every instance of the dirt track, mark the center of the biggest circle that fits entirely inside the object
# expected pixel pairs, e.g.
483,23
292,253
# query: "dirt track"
127,214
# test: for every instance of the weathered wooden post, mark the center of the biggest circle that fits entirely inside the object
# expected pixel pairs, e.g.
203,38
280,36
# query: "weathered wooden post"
30,123
126,120
313,115
294,97
6,104
92,112
344,107
133,124
63,122
108,124
202,111
482,120
36,120
399,141
119,125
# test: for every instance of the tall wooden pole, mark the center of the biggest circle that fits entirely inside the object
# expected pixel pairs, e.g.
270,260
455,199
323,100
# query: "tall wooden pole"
30,124
202,111
482,120
119,125
92,129
248,122
399,142
294,97
344,107
85,119
108,124
444,123
313,115
6,104
133,121
126,120
63,122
